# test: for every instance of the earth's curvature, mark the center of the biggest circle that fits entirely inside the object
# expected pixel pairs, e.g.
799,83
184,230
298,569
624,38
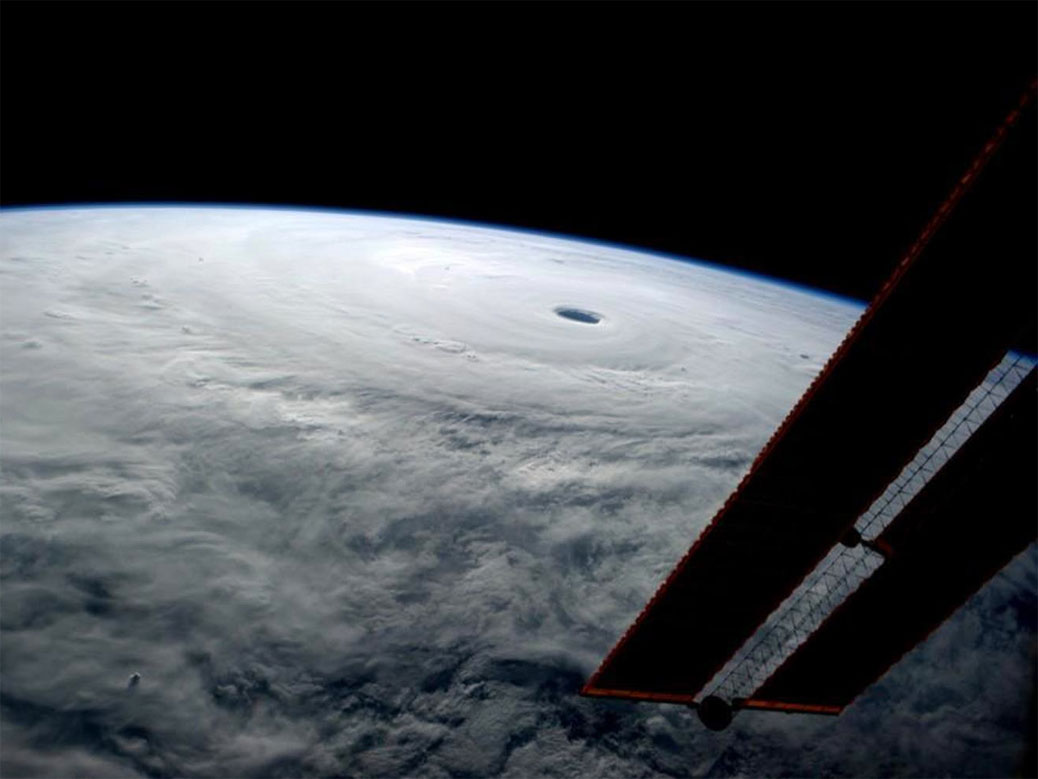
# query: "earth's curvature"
362,495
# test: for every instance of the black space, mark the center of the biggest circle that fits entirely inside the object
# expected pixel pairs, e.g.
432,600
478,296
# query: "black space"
806,141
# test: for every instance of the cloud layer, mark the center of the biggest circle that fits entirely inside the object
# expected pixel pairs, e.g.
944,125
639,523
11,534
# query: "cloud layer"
353,498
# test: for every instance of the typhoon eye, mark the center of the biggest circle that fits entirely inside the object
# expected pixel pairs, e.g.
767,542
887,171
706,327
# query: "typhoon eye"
578,315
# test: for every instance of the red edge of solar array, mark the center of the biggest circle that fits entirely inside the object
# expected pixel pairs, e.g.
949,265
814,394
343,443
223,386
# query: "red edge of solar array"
801,708
986,153
689,700
638,695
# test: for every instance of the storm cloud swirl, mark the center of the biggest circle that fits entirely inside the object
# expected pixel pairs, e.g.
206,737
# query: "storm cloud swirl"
354,496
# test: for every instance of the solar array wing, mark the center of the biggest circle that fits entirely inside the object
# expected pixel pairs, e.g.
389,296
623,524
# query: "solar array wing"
969,521
962,294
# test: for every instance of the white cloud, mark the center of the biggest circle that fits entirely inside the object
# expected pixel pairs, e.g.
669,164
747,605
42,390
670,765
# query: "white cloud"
352,498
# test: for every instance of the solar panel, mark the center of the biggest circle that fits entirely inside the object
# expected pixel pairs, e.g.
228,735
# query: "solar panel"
969,521
962,294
